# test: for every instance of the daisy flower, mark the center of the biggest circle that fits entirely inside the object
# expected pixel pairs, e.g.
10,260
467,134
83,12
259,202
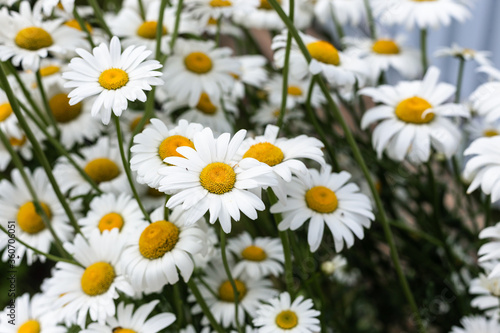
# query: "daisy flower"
477,324
128,321
486,289
101,162
338,269
221,303
253,73
481,57
420,14
114,76
49,5
491,250
485,100
347,12
155,251
325,198
31,315
208,178
76,291
478,127
51,73
283,315
157,142
269,114
16,204
8,120
414,118
257,257
196,67
296,91
204,10
340,69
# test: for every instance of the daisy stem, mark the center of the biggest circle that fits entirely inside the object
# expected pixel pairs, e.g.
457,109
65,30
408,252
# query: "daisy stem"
178,305
230,278
204,307
175,33
460,78
100,17
423,49
217,32
159,29
148,113
82,24
487,211
371,21
46,102
126,167
165,209
37,149
338,27
142,11
205,284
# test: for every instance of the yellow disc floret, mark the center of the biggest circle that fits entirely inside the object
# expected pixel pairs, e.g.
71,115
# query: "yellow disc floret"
264,4
148,30
287,320
49,70
205,105
490,132
294,91
169,146
33,38
5,111
226,291
110,221
122,330
218,178
254,253
75,25
321,199
385,46
220,3
265,152
324,52
29,220
158,238
412,110
97,278
62,111
113,78
30,326
102,170
17,142
198,62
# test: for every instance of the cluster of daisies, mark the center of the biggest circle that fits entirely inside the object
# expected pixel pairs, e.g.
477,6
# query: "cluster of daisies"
135,140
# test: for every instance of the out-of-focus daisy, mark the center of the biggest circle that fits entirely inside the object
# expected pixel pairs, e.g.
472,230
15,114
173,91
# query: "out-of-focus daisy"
478,127
337,267
339,68
477,324
49,5
128,321
485,100
297,91
101,162
155,251
385,53
8,120
491,250
114,76
253,74
257,257
486,289
269,114
205,10
211,179
31,315
350,12
51,73
325,198
420,13
251,293
28,38
110,211
283,315
16,204
157,142
21,146
482,57
414,118
77,291
196,67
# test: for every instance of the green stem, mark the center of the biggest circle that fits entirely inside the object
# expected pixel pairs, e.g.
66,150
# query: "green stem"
175,33
142,11
460,78
487,211
126,167
100,17
417,233
284,88
204,306
338,27
159,29
178,305
148,114
82,24
217,32
371,21
423,49
45,101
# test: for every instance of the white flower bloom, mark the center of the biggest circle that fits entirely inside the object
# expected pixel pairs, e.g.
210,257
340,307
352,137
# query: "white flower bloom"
477,324
347,12
481,57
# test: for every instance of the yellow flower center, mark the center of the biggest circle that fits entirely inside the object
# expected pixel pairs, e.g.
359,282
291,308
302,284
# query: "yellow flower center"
385,46
254,253
97,278
220,3
490,133
218,178
321,199
111,221
324,52
423,0
169,146
411,110
33,38
205,105
287,320
264,4
30,326
28,219
122,330
113,78
226,291
62,111
102,170
5,111
265,152
17,142
198,62
49,70
212,21
148,30
75,25
135,122
158,238
294,91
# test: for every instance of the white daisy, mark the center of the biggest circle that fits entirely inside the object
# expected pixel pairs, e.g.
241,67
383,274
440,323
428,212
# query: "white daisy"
269,114
257,257
486,289
296,92
8,120
477,324
196,67
253,74
155,251
112,75
481,57
338,269
21,146
283,315
16,204
128,321
347,12
77,291
210,179
478,127
205,10
414,118
157,142
491,250
485,100
51,73
325,198
49,5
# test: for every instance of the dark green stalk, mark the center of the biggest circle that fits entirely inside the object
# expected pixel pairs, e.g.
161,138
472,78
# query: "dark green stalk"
286,66
82,24
159,29
371,21
460,78
204,306
45,101
100,17
141,10
176,26
423,49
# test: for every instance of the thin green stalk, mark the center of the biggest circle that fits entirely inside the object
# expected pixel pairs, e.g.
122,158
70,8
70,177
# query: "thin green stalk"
178,305
45,101
338,27
204,307
175,33
417,233
82,24
371,21
423,49
205,284
165,208
126,167
230,278
141,10
460,78
217,32
159,29
100,17
284,88
487,211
